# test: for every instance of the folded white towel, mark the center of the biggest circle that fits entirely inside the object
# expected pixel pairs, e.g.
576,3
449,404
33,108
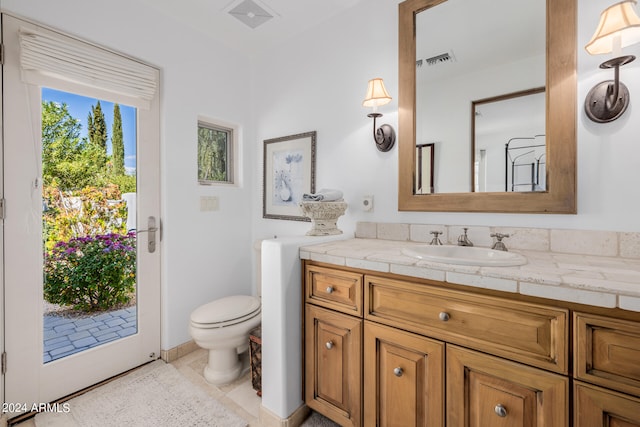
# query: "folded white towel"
324,195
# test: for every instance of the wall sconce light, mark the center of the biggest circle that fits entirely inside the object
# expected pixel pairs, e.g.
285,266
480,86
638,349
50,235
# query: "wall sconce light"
619,27
377,95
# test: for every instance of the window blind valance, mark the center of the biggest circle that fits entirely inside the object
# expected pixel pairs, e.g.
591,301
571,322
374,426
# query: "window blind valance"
47,57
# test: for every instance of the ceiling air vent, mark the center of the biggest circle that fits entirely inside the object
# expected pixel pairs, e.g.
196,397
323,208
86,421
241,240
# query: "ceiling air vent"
250,13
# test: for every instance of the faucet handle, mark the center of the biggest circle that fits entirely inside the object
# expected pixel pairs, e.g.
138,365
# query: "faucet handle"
499,245
499,236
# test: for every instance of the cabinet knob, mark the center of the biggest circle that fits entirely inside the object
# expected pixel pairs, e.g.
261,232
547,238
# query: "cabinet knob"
329,345
330,289
444,316
500,410
398,372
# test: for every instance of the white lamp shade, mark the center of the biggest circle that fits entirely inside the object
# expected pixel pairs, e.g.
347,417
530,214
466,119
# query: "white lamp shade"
617,20
376,94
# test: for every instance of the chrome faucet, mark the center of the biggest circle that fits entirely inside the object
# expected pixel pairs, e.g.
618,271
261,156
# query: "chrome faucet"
435,240
463,240
498,245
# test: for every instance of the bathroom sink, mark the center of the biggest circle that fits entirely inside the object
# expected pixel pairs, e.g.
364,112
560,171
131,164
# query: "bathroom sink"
465,255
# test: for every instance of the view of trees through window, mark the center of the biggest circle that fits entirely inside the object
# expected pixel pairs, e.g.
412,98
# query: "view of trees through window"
214,153
76,156
88,167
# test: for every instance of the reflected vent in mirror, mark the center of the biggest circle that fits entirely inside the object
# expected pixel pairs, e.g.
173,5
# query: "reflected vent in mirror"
443,58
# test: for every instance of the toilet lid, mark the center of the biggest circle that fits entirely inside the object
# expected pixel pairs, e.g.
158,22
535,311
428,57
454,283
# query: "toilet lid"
226,309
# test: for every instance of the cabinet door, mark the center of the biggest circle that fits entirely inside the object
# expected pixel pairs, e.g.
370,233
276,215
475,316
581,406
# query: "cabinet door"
599,407
403,378
486,391
333,365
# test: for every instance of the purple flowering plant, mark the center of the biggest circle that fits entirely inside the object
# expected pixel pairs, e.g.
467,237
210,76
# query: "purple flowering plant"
91,273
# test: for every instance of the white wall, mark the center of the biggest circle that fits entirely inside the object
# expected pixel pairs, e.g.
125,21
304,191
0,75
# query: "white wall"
205,253
318,83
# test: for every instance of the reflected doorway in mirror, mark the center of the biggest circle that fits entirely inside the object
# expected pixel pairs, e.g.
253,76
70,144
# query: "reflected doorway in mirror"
425,154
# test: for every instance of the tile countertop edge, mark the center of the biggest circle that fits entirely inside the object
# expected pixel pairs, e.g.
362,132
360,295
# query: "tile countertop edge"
584,282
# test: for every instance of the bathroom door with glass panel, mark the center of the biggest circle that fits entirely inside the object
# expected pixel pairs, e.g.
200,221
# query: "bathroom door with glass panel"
82,227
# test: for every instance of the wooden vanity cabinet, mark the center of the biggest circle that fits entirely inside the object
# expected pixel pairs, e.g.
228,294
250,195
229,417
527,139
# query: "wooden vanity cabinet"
415,352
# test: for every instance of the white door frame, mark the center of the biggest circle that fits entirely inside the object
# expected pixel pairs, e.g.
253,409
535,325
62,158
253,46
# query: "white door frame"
27,379
1,239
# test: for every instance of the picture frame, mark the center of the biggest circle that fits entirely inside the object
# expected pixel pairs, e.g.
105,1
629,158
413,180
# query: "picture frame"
289,169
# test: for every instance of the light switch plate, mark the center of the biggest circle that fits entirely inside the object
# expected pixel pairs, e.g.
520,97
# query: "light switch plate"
209,203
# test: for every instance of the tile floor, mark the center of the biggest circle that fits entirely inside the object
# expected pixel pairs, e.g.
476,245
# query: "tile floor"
238,396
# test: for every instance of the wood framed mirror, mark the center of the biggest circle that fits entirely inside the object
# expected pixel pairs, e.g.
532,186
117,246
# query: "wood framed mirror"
559,196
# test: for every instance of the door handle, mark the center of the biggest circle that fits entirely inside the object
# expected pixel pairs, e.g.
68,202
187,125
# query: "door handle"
152,228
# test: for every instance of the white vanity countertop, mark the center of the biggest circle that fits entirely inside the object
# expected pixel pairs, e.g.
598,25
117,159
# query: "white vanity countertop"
593,280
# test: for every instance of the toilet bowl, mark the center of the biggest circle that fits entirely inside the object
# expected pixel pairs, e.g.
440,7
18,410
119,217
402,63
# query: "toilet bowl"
222,327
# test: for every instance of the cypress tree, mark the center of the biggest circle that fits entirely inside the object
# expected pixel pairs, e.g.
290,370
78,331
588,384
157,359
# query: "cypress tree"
91,130
117,142
99,127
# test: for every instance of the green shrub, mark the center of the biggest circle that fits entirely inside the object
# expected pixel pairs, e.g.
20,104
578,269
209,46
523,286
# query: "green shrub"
91,273
126,183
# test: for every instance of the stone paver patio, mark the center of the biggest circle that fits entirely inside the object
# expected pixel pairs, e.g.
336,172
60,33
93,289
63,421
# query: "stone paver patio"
64,336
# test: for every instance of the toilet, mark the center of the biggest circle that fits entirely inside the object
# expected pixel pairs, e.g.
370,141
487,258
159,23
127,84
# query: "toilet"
222,327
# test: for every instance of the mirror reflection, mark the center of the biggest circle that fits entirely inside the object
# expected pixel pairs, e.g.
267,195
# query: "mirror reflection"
509,142
494,49
424,168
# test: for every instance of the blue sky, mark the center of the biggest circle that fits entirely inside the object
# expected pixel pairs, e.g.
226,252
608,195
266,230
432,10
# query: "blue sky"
80,107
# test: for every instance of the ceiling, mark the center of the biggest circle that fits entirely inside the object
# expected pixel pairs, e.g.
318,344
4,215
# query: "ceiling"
213,19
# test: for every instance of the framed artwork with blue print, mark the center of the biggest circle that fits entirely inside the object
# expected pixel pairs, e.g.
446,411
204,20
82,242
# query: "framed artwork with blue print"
289,170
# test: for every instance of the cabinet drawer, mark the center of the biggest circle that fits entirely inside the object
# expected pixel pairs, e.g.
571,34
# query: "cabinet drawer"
529,333
599,407
335,289
607,352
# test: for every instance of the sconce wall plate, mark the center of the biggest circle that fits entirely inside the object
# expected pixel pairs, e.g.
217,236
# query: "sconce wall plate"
595,104
608,100
385,135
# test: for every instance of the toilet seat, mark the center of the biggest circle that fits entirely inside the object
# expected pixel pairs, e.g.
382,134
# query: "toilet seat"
226,311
